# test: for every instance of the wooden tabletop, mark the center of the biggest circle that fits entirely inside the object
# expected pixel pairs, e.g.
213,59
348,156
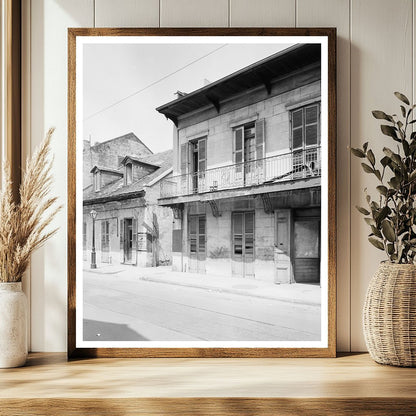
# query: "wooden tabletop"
49,384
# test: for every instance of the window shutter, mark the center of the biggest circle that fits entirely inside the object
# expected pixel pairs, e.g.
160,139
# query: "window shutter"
184,158
134,242
202,155
238,156
192,233
201,234
297,129
122,241
260,140
237,219
260,147
311,125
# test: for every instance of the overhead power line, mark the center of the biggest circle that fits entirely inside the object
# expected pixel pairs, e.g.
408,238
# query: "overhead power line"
152,84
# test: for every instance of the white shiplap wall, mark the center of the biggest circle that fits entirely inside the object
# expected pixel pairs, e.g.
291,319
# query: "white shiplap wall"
376,56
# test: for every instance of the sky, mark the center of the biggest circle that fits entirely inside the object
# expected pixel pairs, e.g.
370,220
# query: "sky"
124,83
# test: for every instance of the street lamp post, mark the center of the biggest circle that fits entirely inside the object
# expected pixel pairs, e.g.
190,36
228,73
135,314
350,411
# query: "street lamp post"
93,214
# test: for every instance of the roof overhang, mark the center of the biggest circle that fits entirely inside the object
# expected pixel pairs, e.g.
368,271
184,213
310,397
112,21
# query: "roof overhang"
118,197
261,73
137,161
106,170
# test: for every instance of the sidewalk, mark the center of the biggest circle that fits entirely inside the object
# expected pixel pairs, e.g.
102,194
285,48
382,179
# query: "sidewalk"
293,293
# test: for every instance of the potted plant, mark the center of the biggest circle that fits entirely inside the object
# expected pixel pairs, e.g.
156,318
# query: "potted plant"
389,316
23,229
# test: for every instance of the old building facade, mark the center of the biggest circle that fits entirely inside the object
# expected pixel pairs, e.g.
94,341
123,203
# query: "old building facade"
246,184
120,204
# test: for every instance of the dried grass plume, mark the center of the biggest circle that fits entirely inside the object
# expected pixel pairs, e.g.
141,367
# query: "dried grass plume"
24,225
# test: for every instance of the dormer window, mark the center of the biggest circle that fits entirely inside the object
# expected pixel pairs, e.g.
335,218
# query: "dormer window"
97,180
129,173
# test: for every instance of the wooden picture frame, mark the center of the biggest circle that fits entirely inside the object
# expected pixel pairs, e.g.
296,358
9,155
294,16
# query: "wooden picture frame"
327,348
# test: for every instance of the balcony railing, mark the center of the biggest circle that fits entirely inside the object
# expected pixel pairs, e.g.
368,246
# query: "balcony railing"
295,165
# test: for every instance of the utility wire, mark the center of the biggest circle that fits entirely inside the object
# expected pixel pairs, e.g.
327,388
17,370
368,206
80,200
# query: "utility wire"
153,83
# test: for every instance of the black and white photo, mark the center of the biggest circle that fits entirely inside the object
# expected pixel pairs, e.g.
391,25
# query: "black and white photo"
202,192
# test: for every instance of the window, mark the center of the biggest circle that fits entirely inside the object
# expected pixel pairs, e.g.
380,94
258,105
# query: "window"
197,233
305,132
248,146
129,174
305,127
97,180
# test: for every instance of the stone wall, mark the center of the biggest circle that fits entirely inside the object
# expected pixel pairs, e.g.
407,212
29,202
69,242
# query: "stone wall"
254,105
110,153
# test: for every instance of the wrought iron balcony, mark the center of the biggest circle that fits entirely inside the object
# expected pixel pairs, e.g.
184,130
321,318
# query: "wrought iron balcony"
295,165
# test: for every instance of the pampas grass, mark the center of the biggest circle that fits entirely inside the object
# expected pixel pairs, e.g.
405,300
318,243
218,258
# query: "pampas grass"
24,224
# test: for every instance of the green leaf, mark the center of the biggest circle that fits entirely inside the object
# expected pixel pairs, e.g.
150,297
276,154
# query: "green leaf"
370,157
367,168
406,147
412,176
394,182
382,214
393,156
357,152
388,230
389,131
403,111
374,205
376,231
362,210
381,115
378,174
369,221
365,145
385,161
390,248
382,189
402,97
376,243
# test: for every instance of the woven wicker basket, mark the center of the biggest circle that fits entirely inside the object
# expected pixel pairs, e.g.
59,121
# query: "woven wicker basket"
389,317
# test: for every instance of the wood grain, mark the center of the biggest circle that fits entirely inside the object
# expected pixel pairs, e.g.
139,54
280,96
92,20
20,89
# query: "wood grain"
336,14
330,351
210,406
347,385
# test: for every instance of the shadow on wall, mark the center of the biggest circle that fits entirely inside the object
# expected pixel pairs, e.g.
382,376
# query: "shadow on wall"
106,331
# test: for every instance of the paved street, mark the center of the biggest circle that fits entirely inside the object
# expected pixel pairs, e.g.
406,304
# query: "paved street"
121,307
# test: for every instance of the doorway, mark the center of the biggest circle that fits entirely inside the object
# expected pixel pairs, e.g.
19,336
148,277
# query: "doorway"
306,262
197,243
128,240
243,244
198,164
105,241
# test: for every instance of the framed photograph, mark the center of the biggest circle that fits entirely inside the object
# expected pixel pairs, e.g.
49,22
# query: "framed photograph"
202,193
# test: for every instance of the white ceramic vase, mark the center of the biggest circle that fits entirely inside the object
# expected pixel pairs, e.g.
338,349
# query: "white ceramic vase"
13,325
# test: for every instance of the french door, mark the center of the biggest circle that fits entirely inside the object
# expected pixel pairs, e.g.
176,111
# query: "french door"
197,243
105,241
243,244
